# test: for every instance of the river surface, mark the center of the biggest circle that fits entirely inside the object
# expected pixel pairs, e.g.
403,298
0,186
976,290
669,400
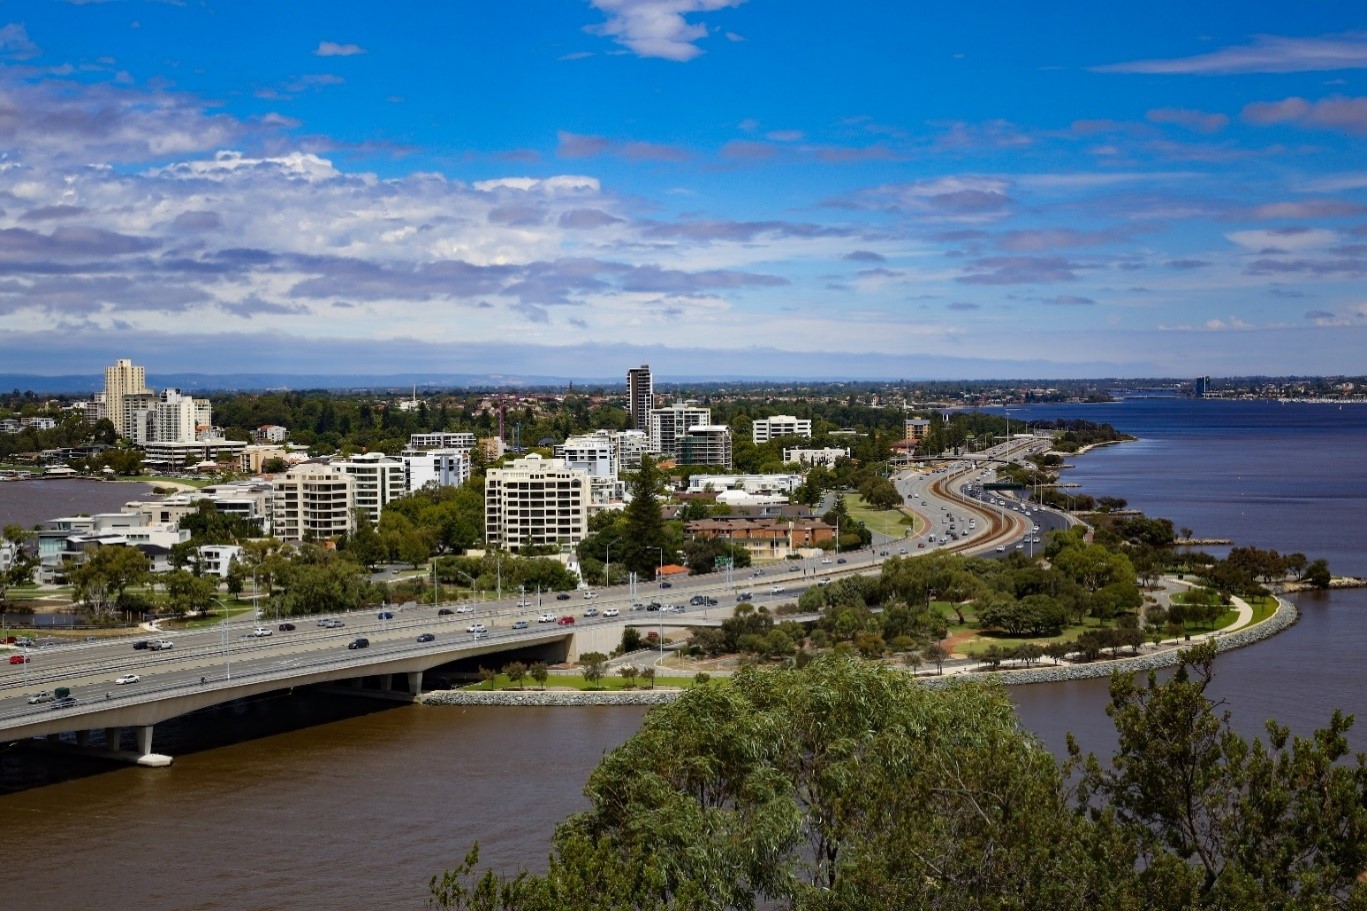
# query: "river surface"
28,503
357,813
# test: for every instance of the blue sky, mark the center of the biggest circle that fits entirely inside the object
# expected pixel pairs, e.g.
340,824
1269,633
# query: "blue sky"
758,187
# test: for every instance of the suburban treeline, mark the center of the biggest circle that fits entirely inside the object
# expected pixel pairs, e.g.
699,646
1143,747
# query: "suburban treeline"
846,785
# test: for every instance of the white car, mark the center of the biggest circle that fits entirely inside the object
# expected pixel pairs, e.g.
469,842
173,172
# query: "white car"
610,612
588,595
261,632
546,618
127,678
591,612
157,645
776,589
465,609
826,560
477,628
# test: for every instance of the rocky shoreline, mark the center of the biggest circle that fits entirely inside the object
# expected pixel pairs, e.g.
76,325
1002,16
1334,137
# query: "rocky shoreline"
549,697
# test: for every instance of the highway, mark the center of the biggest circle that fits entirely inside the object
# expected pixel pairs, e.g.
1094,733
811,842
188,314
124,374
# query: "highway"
222,656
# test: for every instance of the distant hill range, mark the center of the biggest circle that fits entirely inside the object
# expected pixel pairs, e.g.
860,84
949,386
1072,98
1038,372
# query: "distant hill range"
231,382
396,382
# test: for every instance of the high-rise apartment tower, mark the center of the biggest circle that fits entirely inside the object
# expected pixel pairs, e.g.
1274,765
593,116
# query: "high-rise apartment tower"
640,396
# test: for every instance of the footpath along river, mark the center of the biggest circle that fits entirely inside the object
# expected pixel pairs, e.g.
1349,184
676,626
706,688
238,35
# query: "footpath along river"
357,813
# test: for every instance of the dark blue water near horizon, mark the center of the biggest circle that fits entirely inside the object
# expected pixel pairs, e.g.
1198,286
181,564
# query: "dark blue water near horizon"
1284,476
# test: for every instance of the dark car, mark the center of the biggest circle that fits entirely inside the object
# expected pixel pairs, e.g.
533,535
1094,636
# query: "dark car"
385,615
427,637
359,643
64,702
744,596
140,645
841,560
287,627
652,606
666,585
445,612
563,596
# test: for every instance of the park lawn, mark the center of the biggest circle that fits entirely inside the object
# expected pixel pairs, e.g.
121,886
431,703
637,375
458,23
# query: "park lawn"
154,480
982,642
891,522
1262,609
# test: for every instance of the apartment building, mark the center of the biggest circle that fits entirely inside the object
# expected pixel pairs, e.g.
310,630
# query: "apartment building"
668,426
313,502
435,468
780,425
827,457
442,440
640,396
122,379
706,444
535,501
378,478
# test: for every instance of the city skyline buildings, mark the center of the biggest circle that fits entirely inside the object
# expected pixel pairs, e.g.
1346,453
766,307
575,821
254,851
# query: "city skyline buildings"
748,190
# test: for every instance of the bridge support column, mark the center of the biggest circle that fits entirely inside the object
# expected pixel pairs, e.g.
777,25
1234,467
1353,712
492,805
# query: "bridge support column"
111,738
415,683
145,755
386,683
82,739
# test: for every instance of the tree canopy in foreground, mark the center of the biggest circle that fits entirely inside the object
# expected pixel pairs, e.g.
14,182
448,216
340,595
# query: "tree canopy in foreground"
847,785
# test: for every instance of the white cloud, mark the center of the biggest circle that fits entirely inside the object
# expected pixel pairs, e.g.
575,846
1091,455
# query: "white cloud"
333,49
1286,239
657,28
1267,54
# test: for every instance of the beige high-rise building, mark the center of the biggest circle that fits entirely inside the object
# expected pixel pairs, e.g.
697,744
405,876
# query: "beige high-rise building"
121,380
535,501
313,503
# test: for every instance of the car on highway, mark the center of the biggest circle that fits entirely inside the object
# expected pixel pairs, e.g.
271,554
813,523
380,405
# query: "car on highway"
287,627
591,612
744,596
678,608
590,594
825,581
666,585
465,609
18,659
638,606
36,698
841,560
697,600
427,637
359,642
563,596
520,624
125,679
566,620
776,589
384,615
261,632
445,612
477,628
546,618
825,560
64,702
610,612
140,645
158,645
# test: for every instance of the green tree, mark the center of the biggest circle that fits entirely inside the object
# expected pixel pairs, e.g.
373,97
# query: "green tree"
1217,821
516,672
593,664
106,574
188,593
629,673
539,673
645,546
648,675
1318,575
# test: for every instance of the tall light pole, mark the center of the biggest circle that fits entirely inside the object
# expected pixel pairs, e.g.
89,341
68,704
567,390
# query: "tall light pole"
227,648
607,566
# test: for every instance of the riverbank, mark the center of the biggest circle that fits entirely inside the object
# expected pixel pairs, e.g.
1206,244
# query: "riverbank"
541,698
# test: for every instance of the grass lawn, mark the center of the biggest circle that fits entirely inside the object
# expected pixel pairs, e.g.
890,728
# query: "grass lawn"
155,480
576,681
891,522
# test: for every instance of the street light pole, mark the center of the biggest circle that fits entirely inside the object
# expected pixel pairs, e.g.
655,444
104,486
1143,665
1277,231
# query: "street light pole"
227,648
607,566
